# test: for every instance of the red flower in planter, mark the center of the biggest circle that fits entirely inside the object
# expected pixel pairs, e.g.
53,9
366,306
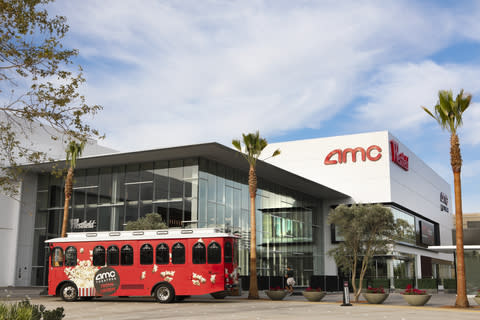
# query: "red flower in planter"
411,291
277,288
375,290
310,289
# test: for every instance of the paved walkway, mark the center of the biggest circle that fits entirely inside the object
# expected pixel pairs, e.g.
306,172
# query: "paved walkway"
292,307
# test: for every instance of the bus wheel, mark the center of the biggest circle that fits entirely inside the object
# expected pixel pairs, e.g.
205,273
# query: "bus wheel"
69,292
164,293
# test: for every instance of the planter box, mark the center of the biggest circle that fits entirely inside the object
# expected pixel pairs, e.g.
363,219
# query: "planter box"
416,299
276,294
314,296
375,298
477,300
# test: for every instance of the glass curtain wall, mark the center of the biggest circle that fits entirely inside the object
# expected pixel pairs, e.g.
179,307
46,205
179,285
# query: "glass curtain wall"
105,199
285,219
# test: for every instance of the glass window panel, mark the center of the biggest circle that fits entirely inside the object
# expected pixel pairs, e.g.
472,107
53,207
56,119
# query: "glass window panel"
131,213
146,191
146,254
126,255
188,188
43,181
132,192
41,219
104,218
39,238
202,202
98,256
211,193
91,178
118,184
91,219
105,185
176,188
178,253
55,218
187,213
113,256
162,210
79,178
42,200
161,180
175,214
146,172
91,195
162,254
220,215
211,214
145,208
118,217
199,254
214,253
70,256
190,168
132,173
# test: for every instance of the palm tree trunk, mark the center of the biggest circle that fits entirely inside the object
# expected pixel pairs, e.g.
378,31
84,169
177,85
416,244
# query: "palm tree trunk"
252,184
68,196
462,301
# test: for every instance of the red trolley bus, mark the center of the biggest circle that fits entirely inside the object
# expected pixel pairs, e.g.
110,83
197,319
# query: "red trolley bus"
167,264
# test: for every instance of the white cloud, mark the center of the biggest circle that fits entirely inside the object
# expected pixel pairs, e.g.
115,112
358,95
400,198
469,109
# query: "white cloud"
172,73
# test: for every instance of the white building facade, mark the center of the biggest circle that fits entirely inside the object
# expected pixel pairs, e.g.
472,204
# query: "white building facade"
377,168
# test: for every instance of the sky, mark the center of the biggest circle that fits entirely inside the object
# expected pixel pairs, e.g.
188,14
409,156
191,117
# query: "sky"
171,73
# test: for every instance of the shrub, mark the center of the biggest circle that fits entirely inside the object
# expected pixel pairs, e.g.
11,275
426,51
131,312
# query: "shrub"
403,283
24,310
376,283
450,284
427,283
151,221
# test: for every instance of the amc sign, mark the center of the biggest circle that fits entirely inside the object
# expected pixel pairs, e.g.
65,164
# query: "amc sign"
373,153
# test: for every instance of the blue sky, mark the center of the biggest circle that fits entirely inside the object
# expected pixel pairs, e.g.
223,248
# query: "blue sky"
183,72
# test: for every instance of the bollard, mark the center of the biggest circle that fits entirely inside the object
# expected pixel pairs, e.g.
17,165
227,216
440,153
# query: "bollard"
346,295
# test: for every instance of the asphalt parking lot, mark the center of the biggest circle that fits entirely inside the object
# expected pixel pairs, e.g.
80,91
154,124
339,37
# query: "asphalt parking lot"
292,307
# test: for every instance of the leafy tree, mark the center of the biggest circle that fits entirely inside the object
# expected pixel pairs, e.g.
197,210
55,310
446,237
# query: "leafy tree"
449,115
367,230
38,89
151,221
74,151
253,147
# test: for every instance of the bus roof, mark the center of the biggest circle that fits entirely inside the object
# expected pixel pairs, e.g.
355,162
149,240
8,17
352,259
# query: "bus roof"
142,235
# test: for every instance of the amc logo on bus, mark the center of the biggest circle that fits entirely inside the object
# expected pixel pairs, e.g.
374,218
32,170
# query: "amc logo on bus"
106,281
373,153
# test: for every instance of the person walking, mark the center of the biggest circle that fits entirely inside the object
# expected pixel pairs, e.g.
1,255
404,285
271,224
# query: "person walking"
290,280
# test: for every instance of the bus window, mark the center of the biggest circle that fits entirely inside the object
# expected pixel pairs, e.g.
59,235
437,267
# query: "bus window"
162,254
227,252
112,256
214,253
126,257
146,254
99,256
199,255
178,253
70,257
57,257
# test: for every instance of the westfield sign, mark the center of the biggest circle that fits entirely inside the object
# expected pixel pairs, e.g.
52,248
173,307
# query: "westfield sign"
399,159
373,153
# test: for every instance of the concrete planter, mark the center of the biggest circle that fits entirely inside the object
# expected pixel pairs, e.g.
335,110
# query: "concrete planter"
375,298
314,296
276,294
416,299
477,299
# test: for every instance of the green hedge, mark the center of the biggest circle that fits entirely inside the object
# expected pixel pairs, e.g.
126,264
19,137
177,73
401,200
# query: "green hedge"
450,284
377,283
364,282
427,283
402,283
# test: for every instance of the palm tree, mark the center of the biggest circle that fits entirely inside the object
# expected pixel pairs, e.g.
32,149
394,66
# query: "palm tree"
448,113
254,146
74,150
